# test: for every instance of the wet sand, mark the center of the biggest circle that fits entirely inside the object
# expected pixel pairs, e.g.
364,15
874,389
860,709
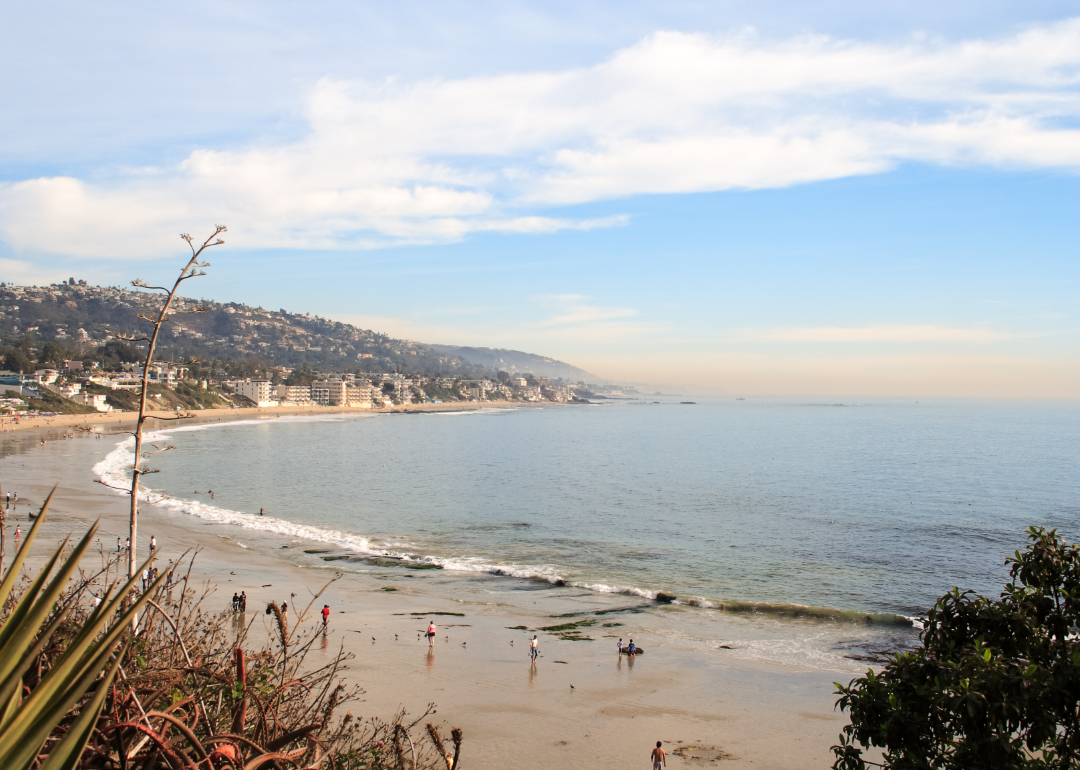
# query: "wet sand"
513,714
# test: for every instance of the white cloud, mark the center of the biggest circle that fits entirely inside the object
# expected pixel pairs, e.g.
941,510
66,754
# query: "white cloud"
28,274
431,161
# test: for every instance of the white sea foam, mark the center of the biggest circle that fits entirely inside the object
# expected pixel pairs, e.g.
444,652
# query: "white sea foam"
115,469
626,590
481,410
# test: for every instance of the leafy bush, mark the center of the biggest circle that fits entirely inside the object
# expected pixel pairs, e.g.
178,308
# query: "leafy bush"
996,683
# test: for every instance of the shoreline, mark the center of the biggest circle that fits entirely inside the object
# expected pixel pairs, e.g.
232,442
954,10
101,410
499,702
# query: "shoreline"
764,715
164,417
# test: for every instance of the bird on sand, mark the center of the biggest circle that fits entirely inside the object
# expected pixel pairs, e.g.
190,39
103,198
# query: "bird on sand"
571,687
373,639
395,637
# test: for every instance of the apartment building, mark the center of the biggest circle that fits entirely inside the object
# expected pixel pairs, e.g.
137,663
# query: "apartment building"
293,394
256,390
359,396
329,393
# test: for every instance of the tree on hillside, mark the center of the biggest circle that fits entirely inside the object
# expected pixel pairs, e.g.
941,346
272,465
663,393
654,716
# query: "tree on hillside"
16,360
53,354
118,352
996,683
304,376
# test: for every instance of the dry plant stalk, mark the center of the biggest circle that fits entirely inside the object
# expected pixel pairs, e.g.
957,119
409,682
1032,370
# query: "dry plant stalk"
192,269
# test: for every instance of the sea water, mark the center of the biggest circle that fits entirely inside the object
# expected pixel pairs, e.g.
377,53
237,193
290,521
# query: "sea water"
837,512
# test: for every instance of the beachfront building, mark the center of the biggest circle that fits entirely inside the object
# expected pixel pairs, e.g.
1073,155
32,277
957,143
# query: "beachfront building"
293,395
97,401
330,393
361,396
255,390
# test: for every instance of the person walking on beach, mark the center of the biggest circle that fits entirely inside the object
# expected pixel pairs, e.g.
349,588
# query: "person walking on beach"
119,545
620,646
631,650
325,616
127,545
153,544
243,602
534,648
235,602
18,536
659,756
431,634
145,578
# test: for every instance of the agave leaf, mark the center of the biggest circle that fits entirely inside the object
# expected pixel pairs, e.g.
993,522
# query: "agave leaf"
25,623
14,682
20,556
14,624
27,733
99,619
12,703
17,634
63,686
65,755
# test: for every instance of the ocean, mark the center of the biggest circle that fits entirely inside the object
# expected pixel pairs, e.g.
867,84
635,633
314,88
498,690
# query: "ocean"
803,519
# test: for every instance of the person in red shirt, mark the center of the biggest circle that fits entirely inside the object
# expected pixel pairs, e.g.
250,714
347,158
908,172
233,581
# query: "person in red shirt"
325,615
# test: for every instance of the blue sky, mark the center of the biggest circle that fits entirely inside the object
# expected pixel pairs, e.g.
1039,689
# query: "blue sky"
740,197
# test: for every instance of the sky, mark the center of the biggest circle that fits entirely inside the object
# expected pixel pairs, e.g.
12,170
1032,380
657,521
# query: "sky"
745,198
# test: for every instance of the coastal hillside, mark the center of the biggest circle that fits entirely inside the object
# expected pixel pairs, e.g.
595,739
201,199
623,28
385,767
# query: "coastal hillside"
517,362
81,317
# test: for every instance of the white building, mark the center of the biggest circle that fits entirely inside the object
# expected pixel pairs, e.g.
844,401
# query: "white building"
330,393
359,396
92,399
293,394
256,390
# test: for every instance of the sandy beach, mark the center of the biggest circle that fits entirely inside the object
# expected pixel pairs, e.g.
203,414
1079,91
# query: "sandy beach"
126,420
581,704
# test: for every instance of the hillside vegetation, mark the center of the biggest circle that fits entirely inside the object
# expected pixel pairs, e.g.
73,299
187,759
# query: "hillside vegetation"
237,338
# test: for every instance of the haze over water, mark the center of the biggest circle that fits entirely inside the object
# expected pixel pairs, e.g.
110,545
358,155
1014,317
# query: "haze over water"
876,507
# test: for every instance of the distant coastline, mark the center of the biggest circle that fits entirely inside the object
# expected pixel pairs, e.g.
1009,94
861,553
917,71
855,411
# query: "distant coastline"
161,419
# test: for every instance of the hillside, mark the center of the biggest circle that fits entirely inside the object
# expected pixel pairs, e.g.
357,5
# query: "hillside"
237,338
517,362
